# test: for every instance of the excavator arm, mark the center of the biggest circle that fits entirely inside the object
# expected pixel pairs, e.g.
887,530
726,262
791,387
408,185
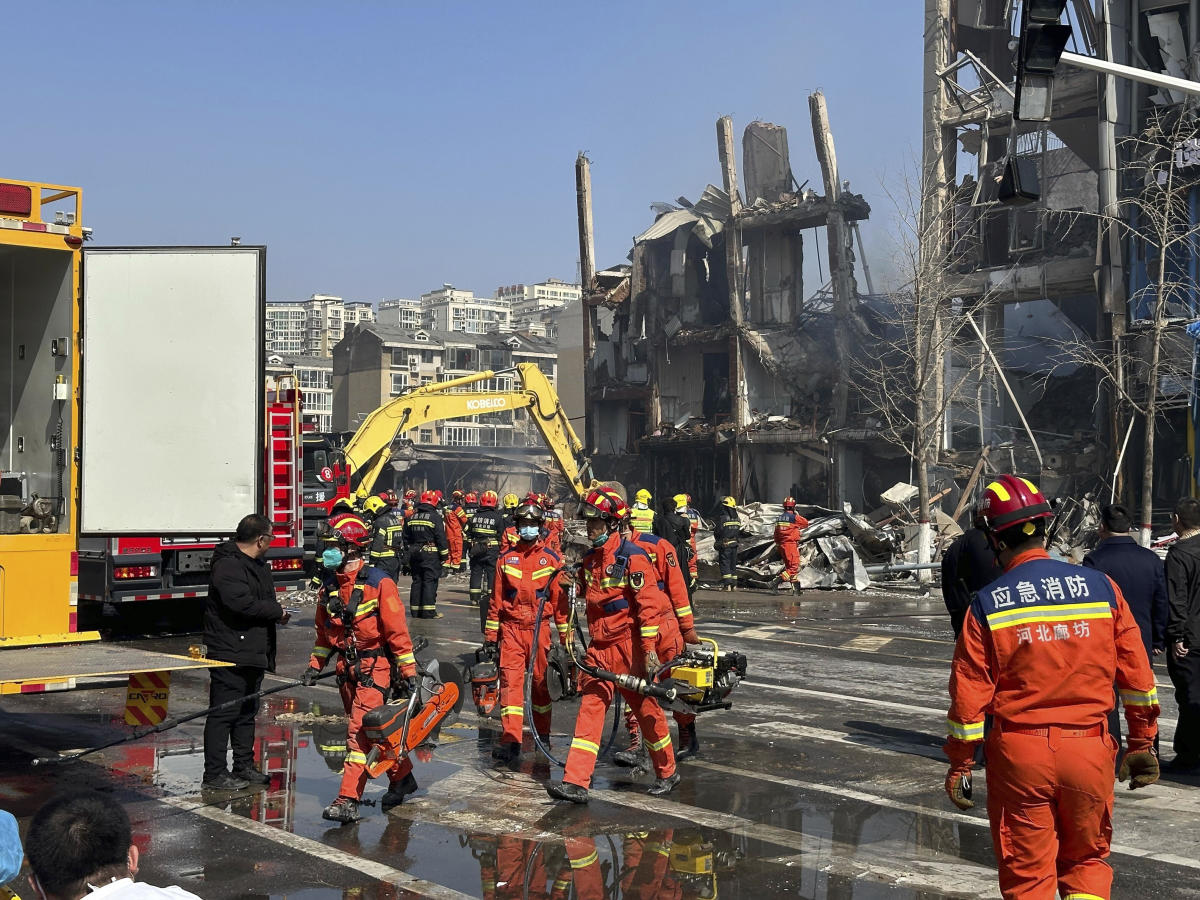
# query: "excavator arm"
369,450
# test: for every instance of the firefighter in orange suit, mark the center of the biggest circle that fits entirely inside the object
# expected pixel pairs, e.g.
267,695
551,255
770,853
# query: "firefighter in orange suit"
693,561
526,573
668,620
456,520
788,529
360,620
613,573
554,526
1040,650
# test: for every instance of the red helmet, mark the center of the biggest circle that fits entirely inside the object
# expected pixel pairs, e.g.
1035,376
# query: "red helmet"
389,497
348,528
437,497
456,495
471,498
545,502
1010,501
529,508
603,503
789,503
430,497
489,499
410,494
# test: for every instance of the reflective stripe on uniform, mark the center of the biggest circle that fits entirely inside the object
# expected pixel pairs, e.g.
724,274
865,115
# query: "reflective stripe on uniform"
356,756
1139,698
511,710
514,571
406,659
491,624
541,709
969,731
543,573
1076,895
658,745
585,862
683,611
649,631
1053,612
367,608
322,652
584,745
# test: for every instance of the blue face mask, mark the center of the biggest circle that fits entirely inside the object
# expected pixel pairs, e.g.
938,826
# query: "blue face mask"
598,540
529,532
332,557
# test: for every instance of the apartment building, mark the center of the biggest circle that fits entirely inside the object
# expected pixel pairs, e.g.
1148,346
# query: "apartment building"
451,309
314,378
401,313
537,304
311,327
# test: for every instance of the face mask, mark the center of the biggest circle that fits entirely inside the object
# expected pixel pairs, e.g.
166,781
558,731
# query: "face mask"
332,557
598,540
528,532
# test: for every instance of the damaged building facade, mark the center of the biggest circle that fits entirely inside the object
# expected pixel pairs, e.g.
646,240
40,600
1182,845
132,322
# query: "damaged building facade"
1069,270
711,368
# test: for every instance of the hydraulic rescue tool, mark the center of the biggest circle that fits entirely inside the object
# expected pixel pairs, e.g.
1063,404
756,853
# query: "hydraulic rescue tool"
400,726
700,678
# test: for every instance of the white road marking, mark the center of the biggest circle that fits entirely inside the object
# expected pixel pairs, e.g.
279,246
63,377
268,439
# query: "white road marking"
315,849
868,642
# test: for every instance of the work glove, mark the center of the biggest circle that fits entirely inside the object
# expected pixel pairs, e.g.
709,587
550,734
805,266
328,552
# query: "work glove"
690,636
958,788
1139,768
309,678
491,647
652,664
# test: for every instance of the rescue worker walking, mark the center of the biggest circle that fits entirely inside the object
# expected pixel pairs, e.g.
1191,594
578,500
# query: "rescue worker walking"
360,619
508,533
613,573
667,619
456,520
425,538
727,527
693,561
644,519
676,527
526,574
484,535
1040,650
788,529
386,536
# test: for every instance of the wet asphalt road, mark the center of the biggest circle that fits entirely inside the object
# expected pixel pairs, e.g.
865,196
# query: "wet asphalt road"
823,781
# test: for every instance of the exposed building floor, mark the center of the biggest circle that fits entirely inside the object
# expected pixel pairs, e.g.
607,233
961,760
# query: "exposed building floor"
823,781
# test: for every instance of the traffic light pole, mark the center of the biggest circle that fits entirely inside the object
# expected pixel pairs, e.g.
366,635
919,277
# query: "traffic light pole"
1155,79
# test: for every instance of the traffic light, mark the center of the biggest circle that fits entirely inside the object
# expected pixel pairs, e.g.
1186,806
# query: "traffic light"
1043,39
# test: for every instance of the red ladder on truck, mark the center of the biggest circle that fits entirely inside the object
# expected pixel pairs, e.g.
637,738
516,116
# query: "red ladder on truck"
284,461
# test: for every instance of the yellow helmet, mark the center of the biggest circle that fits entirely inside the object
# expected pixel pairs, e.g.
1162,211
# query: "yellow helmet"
374,505
511,501
681,501
730,502
642,496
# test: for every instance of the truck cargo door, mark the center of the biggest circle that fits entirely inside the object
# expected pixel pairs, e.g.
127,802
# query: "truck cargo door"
172,389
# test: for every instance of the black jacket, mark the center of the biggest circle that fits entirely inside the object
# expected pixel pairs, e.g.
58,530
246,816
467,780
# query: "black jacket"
425,528
1183,592
677,529
241,610
1139,574
968,565
727,527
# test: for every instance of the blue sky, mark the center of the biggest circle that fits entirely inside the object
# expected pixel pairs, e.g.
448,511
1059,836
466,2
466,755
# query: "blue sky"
379,149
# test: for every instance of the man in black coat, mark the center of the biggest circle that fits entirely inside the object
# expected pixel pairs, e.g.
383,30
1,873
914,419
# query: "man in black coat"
239,627
968,565
1138,572
1182,634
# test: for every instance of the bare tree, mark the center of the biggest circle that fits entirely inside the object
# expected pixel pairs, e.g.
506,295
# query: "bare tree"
1161,166
902,378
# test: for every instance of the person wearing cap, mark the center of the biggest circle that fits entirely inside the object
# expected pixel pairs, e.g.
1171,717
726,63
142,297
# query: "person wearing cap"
484,532
727,528
674,526
428,555
360,621
456,520
386,535
1040,650
641,513
789,527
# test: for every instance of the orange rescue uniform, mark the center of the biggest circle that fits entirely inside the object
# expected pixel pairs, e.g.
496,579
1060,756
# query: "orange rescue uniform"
456,520
525,574
612,574
1040,651
371,627
788,531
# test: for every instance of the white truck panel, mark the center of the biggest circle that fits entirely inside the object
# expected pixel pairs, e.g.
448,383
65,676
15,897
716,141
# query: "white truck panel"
172,389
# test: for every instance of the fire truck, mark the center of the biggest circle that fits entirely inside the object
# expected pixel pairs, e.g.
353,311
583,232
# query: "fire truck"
118,570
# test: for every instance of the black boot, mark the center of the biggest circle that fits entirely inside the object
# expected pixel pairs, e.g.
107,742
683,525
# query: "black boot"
397,791
664,785
343,809
252,775
631,756
506,752
564,790
689,744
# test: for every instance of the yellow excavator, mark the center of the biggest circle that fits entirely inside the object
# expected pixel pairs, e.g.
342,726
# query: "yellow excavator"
368,451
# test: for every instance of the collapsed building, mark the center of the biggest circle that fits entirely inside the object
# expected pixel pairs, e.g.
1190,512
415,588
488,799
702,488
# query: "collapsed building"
710,367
